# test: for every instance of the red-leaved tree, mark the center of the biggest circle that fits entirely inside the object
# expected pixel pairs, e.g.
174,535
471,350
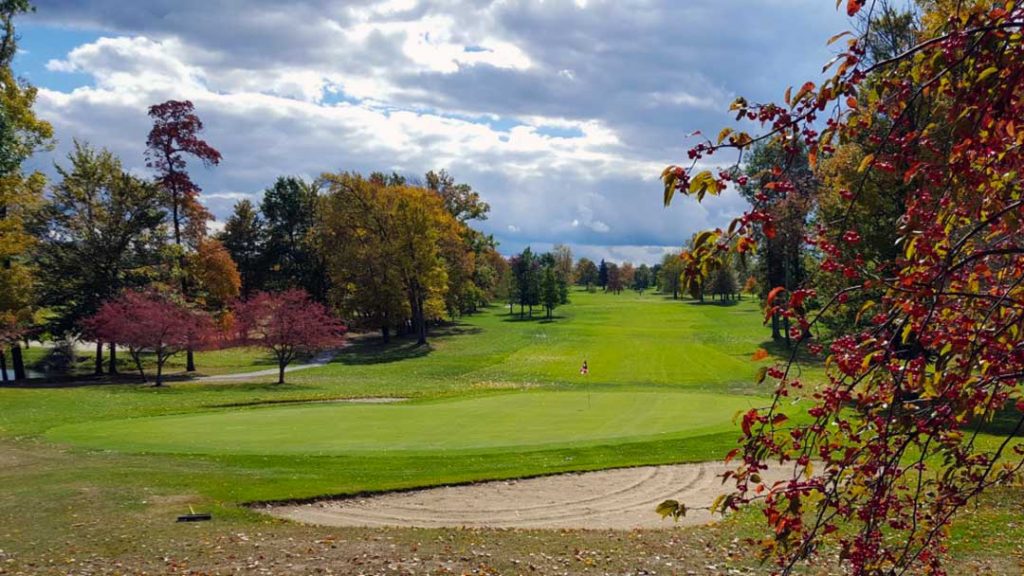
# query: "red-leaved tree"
173,138
151,323
892,445
289,324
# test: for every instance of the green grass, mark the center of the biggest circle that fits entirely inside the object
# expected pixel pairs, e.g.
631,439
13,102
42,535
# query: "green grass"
492,397
483,424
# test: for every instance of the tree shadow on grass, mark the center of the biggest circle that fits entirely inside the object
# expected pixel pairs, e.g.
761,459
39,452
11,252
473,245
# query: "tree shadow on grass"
778,350
538,318
709,302
1004,423
371,349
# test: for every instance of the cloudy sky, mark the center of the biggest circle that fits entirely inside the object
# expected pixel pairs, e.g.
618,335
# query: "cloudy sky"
562,113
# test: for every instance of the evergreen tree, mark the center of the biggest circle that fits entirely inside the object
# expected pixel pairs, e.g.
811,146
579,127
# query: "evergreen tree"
602,274
243,237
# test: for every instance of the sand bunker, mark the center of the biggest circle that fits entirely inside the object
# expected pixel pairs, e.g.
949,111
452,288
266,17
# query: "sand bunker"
620,499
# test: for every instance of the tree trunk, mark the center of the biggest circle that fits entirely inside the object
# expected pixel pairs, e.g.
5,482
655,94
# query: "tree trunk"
190,361
98,369
159,370
785,326
138,363
675,293
385,333
3,367
112,370
775,327
419,321
18,362
280,372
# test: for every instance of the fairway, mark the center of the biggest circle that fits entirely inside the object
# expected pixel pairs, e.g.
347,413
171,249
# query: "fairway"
488,423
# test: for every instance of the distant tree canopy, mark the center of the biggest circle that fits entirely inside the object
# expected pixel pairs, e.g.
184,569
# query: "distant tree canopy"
586,273
669,276
538,280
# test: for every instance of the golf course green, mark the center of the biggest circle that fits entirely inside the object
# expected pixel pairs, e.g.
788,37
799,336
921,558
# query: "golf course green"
484,423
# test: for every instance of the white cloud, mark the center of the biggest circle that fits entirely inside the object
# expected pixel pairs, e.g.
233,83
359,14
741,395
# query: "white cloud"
562,113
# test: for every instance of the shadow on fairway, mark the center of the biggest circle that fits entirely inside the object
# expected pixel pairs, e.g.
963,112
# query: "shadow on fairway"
1005,422
780,352
372,350
709,302
538,318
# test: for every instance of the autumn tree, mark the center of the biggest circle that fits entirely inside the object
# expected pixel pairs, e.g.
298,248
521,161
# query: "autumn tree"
366,289
101,232
586,273
779,179
563,261
627,275
669,275
150,323
21,134
217,280
404,230
174,138
290,324
887,453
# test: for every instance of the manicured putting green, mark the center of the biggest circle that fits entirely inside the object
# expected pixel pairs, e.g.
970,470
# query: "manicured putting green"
485,423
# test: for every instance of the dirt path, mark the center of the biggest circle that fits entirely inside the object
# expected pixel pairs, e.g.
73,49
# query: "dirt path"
620,499
316,362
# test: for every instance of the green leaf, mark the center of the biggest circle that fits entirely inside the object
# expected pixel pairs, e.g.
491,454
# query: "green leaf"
987,72
702,238
668,176
866,163
671,508
867,306
762,373
703,183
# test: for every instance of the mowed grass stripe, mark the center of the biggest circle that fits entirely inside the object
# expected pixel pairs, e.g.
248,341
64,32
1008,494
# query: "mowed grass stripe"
488,423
